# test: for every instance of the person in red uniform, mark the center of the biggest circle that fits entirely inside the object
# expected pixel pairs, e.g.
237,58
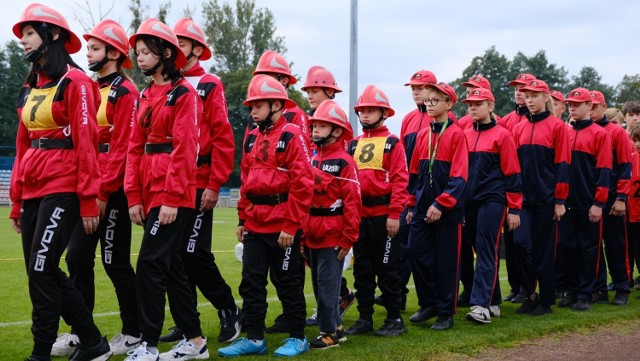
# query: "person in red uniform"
559,106
614,229
494,186
544,155
160,183
581,227
475,82
382,170
215,162
437,177
274,196
633,202
334,216
517,294
107,54
56,177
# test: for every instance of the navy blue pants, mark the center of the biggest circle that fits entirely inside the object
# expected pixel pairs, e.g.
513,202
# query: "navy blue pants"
534,246
580,240
326,275
633,234
511,259
405,264
482,228
434,250
614,233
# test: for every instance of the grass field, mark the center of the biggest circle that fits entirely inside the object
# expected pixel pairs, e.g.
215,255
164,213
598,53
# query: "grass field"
466,338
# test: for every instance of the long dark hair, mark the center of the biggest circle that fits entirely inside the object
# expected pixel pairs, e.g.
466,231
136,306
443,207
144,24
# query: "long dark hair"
157,46
57,57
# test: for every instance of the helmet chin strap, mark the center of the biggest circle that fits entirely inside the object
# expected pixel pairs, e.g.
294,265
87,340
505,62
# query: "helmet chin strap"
372,125
35,55
98,65
149,72
320,141
266,124
44,32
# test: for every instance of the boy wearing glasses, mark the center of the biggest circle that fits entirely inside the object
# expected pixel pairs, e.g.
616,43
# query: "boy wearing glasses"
437,178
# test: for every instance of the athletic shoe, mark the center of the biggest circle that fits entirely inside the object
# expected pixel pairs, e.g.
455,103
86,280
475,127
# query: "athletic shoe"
120,344
280,325
142,354
340,333
464,299
424,313
494,311
346,302
243,346
175,334
479,314
378,300
361,326
325,341
527,306
392,328
186,350
97,352
313,320
611,287
621,299
510,296
443,323
582,305
65,344
519,298
403,301
292,347
568,300
541,310
600,298
33,358
230,324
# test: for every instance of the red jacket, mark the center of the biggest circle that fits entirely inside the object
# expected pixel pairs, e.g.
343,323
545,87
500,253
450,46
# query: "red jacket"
621,167
115,118
510,120
412,123
382,170
57,109
336,188
275,163
633,202
216,144
466,122
166,114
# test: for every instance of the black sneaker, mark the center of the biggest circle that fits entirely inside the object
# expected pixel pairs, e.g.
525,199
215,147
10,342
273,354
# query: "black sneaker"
361,326
541,310
600,298
175,334
568,300
582,305
611,287
443,323
527,306
424,314
280,325
464,299
98,352
378,300
33,358
392,328
621,298
340,333
510,296
519,298
325,341
403,302
230,324
346,302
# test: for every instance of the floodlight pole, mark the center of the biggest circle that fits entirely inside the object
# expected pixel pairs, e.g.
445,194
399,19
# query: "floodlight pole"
353,67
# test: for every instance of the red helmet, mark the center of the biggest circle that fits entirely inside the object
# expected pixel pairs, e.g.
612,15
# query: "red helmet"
272,62
320,77
329,111
45,14
157,28
264,87
374,97
186,28
113,34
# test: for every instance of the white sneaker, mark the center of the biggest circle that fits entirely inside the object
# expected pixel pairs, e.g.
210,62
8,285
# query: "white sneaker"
65,344
142,354
186,350
494,311
479,314
120,344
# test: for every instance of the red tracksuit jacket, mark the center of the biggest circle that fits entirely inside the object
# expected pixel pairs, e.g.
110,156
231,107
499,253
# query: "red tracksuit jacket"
275,162
466,122
336,187
215,135
510,120
166,113
57,109
412,124
382,170
621,169
633,202
116,116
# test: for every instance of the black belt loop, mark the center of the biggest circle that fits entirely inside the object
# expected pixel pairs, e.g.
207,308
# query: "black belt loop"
152,148
269,200
44,143
204,159
324,212
376,201
103,147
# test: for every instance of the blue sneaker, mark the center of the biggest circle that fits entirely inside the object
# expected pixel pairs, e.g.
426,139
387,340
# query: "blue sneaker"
292,347
243,346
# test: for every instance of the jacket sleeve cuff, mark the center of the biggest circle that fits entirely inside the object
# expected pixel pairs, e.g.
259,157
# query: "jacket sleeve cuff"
515,212
621,197
172,200
289,227
439,206
214,186
559,201
240,222
89,207
103,195
598,204
15,210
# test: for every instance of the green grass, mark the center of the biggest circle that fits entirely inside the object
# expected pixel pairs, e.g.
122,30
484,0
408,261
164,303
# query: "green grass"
465,338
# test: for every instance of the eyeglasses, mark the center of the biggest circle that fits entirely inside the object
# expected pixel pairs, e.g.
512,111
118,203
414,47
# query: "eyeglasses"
432,102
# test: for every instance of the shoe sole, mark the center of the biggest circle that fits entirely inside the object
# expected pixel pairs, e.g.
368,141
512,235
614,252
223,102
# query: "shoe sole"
478,320
233,338
104,357
323,348
392,335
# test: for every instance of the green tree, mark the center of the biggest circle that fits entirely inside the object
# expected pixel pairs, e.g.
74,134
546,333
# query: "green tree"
239,35
589,78
13,71
628,90
555,76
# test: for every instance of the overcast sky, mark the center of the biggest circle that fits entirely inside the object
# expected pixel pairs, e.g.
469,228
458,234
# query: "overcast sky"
398,37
